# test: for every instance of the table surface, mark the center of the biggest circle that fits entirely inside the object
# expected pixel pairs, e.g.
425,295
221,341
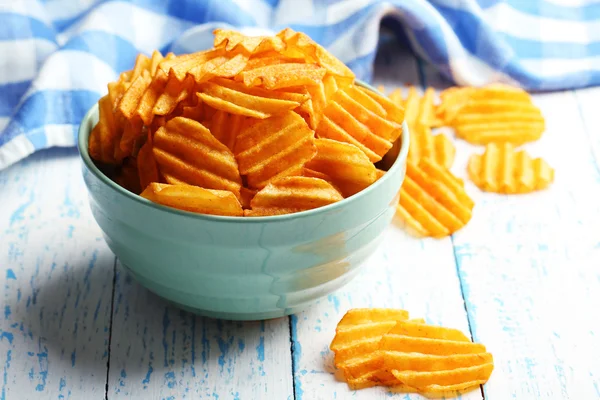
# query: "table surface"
523,278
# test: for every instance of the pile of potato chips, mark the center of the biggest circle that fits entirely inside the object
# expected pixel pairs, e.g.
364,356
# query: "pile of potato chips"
255,126
383,347
433,201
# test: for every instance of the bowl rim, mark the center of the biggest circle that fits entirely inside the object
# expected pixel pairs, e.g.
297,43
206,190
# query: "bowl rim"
82,145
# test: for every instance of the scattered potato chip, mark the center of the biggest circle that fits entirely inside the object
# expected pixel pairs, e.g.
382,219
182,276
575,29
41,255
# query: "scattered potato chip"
501,169
186,152
433,202
275,147
497,113
420,118
291,195
194,199
382,347
345,164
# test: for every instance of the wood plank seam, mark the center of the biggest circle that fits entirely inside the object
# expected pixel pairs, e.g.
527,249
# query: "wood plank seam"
110,326
292,335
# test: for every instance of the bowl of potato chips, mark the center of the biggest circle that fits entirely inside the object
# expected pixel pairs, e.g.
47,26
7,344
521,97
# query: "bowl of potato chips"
245,181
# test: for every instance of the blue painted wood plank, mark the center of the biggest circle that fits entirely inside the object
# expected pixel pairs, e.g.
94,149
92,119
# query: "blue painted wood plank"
57,276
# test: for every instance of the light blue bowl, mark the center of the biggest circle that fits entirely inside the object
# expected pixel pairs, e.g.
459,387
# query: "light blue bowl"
241,268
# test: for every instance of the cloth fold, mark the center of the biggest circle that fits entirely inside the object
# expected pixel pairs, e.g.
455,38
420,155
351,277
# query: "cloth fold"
58,56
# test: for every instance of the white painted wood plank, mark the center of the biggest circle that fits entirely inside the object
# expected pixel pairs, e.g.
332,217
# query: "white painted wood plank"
161,352
529,264
57,277
414,274
587,100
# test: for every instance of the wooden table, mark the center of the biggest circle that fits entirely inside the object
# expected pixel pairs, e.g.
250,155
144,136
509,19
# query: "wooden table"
523,277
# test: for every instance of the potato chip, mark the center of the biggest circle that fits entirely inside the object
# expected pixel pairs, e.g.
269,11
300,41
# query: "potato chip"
345,164
145,107
291,195
394,112
132,96
127,176
357,340
318,98
178,67
174,93
237,102
234,42
106,131
246,196
348,120
452,101
432,201
146,166
298,43
501,169
225,127
194,199
219,67
382,347
187,152
275,147
420,117
133,135
496,113
280,76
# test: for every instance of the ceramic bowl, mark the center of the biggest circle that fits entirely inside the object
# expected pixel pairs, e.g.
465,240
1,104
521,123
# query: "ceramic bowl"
241,268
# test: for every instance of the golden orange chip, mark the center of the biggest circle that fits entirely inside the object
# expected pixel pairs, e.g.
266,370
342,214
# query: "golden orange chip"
348,120
146,165
237,102
107,131
420,118
345,164
280,76
194,199
127,176
275,147
292,194
501,169
495,113
234,41
133,135
382,347
299,44
186,152
225,127
246,197
175,92
145,108
179,67
432,201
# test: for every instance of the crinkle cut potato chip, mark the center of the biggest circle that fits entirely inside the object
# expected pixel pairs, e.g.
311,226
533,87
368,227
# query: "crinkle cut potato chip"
347,167
292,194
263,118
186,152
194,199
274,147
495,113
433,202
382,347
420,118
354,118
502,169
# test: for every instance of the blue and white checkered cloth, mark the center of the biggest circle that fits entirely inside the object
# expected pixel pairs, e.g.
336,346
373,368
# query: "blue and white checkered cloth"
56,56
